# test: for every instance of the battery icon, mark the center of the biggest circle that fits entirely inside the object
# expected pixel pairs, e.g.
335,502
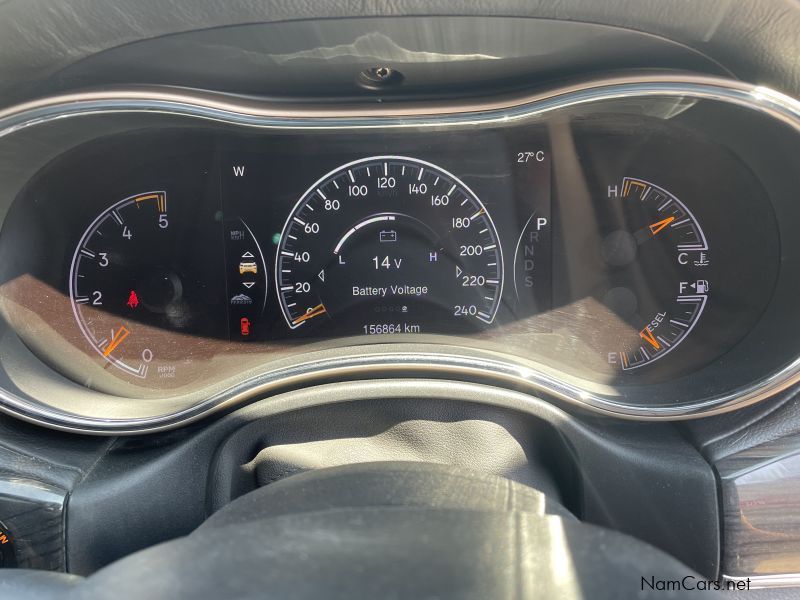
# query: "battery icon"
387,236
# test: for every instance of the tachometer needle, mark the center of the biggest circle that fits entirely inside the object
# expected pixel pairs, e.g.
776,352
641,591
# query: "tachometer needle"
116,339
318,310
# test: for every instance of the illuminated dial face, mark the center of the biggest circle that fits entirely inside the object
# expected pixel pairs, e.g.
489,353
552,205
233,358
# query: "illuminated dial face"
110,283
389,245
658,278
136,280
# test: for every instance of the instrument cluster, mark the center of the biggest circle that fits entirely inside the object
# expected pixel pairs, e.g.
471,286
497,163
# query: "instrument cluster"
612,249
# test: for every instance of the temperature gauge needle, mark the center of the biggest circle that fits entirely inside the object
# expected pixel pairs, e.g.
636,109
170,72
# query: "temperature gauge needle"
646,233
656,227
116,339
318,310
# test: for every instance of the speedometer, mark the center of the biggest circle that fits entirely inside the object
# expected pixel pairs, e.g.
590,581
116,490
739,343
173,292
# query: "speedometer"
389,244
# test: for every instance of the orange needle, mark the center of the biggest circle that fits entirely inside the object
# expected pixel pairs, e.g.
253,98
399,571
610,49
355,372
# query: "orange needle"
318,310
647,335
116,340
656,227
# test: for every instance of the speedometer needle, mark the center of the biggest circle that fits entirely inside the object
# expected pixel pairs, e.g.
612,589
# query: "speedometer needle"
318,310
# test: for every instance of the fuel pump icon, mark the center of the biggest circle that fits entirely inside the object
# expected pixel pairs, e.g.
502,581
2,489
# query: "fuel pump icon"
701,286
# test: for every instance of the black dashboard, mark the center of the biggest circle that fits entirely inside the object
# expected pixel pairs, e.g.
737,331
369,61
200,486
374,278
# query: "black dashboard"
596,237
266,266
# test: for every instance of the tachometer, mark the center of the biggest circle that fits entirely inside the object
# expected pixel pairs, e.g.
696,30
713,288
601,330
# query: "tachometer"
138,277
389,244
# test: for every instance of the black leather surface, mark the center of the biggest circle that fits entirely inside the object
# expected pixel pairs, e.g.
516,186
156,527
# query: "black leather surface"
139,496
755,39
390,530
491,441
51,457
407,484
394,553
722,436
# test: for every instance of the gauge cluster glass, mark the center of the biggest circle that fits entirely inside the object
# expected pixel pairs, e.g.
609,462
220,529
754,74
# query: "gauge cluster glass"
389,244
132,252
605,245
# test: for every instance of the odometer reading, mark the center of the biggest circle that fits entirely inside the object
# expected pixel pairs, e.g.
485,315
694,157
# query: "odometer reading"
389,245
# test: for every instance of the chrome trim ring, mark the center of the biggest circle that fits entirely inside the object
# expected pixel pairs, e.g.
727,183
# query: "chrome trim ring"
245,112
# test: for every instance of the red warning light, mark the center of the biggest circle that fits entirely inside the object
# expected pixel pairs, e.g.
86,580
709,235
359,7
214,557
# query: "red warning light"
244,326
133,300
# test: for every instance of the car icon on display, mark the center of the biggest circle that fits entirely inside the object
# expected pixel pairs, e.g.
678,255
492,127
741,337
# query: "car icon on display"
248,267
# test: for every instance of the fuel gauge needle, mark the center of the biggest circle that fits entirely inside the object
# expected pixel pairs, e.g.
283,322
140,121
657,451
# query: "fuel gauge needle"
318,310
116,339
